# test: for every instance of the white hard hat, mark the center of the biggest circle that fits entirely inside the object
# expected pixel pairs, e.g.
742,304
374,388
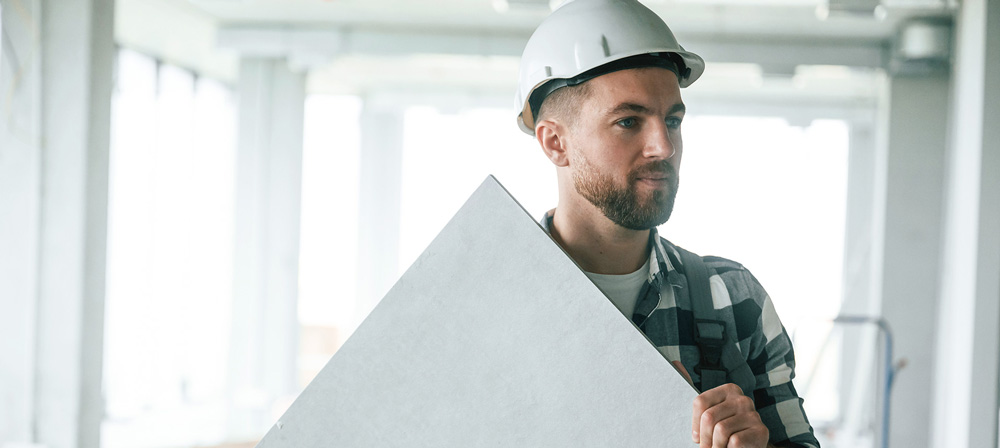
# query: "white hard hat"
584,39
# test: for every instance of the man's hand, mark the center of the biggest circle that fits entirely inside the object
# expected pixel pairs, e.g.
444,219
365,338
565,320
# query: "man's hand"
725,418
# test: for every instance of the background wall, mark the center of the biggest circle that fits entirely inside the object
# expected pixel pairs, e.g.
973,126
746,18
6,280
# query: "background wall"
196,211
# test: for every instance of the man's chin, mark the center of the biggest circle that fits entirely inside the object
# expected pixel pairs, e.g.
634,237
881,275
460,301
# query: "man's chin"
642,219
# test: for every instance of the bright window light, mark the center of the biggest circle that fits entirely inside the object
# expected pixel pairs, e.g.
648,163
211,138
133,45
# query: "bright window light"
169,275
771,196
328,252
440,174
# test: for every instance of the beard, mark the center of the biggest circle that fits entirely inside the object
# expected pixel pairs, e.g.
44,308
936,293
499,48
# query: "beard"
623,204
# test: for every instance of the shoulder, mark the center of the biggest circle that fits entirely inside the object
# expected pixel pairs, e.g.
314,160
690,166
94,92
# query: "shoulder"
723,265
715,265
739,282
742,286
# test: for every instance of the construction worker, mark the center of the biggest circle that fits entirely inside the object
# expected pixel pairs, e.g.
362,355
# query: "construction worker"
599,89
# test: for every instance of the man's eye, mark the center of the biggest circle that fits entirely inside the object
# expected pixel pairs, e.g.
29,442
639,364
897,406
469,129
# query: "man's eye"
673,122
627,122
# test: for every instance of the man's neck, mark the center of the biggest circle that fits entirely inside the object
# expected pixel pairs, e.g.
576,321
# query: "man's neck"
597,244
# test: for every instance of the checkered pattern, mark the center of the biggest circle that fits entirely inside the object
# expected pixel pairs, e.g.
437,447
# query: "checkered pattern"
664,313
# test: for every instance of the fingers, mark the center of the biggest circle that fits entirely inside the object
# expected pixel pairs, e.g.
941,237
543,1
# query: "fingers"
708,399
740,431
720,417
725,418
753,437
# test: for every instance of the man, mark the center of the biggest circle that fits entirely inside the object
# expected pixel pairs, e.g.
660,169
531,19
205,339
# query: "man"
600,90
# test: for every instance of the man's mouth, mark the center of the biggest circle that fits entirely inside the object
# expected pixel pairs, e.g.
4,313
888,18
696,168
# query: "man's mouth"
654,177
654,182
657,174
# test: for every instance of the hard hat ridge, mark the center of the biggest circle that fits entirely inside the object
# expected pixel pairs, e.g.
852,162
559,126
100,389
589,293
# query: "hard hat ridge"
584,39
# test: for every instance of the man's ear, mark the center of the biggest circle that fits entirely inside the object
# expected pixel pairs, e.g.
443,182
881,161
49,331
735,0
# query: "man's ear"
551,137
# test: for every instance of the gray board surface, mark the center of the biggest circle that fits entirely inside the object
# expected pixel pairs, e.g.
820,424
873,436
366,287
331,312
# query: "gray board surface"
494,337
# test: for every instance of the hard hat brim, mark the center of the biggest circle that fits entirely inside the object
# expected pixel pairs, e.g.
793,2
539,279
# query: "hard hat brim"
686,65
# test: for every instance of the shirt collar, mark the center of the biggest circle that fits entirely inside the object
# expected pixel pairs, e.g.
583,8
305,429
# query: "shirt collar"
661,258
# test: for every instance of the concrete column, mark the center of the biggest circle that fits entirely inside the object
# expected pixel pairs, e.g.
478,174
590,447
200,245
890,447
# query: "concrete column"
910,264
892,252
54,140
264,345
860,210
381,184
861,278
20,202
968,343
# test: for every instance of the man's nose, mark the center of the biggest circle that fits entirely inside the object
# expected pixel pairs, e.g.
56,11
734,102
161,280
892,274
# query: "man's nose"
658,143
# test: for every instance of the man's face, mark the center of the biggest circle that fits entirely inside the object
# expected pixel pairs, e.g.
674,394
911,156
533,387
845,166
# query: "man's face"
625,147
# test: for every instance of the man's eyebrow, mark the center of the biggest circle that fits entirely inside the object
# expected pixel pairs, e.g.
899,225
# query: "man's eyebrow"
640,109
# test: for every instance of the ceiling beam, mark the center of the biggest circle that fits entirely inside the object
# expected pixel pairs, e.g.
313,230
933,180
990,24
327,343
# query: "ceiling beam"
309,48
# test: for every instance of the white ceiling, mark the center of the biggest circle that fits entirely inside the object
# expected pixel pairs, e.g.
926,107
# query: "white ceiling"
184,32
751,17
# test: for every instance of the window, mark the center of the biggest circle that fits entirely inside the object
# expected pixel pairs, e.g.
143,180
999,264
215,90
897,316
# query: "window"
169,276
771,196
439,174
328,252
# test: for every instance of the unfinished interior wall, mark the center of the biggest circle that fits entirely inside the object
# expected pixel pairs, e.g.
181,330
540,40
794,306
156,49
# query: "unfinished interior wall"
968,342
54,141
917,131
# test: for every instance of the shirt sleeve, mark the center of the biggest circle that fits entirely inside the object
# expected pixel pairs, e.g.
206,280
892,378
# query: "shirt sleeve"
772,361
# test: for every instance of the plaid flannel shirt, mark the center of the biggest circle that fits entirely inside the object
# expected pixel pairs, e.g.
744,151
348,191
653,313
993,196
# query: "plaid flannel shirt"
664,314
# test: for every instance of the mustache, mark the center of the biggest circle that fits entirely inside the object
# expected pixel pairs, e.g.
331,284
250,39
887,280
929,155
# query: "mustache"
660,168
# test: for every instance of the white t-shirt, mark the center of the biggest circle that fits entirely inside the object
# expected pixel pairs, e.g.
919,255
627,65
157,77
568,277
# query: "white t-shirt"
623,290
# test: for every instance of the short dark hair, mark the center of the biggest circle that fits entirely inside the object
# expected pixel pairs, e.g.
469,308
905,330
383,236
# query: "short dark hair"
563,102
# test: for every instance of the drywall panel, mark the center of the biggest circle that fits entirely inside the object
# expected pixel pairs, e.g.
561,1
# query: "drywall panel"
494,337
